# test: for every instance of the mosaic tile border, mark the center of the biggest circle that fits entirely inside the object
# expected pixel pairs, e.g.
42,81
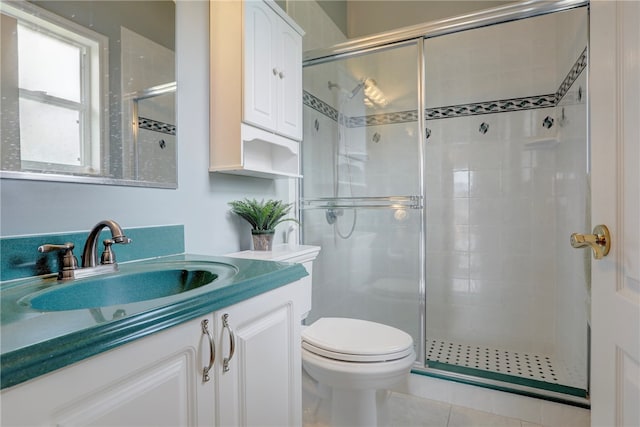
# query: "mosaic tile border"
575,71
384,119
319,105
478,108
491,107
156,126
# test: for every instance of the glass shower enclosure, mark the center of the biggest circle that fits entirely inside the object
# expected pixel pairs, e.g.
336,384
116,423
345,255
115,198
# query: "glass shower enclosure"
443,175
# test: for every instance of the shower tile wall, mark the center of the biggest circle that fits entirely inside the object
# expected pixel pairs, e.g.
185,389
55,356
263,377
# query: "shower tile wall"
489,204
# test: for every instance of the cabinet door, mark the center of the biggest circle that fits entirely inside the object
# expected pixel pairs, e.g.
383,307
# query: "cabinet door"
261,384
260,68
290,79
154,381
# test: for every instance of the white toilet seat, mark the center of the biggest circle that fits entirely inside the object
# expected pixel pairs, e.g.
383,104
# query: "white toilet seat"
355,340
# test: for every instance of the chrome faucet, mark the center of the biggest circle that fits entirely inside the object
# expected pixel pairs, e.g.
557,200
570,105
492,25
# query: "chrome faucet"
90,251
69,267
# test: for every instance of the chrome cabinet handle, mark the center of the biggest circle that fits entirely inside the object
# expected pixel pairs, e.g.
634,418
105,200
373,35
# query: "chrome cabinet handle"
212,351
599,241
232,343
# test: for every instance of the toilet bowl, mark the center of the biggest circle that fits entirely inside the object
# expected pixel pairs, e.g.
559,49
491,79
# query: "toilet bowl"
355,363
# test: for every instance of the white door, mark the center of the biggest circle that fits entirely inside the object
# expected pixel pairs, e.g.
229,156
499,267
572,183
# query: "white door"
615,182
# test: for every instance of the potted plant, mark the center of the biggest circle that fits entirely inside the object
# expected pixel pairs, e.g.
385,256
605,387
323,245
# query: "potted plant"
263,217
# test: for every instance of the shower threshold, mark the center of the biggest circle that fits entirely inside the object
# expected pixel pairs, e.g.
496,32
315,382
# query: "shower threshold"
533,371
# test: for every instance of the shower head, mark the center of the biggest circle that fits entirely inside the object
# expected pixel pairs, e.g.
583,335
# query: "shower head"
348,94
357,89
373,97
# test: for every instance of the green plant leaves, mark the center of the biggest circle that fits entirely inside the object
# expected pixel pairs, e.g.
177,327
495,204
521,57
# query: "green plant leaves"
262,215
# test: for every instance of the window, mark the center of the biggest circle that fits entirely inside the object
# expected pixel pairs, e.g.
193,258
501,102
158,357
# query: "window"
59,89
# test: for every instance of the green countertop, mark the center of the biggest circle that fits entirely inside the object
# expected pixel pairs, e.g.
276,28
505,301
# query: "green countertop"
37,342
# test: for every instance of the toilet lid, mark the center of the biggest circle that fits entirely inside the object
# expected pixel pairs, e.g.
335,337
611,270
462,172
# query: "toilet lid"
355,340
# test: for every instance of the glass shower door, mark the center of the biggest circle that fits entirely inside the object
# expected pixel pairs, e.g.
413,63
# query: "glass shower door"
505,185
361,196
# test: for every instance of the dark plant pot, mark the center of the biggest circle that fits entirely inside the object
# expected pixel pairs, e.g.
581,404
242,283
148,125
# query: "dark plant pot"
262,239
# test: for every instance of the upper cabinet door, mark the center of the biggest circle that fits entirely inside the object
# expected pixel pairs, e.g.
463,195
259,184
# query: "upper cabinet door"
290,89
272,72
260,67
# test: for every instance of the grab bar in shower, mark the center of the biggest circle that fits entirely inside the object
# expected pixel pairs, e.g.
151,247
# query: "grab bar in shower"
383,202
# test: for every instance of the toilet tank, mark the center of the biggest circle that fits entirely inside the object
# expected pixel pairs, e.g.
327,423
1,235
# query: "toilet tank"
302,254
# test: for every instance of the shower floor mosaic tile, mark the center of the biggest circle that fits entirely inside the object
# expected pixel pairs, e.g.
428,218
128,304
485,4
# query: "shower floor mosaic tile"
536,367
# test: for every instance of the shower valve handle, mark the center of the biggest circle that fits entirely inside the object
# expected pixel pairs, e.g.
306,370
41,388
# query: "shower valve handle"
599,241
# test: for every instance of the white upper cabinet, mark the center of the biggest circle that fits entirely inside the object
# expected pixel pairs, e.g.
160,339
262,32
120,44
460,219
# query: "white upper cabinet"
256,89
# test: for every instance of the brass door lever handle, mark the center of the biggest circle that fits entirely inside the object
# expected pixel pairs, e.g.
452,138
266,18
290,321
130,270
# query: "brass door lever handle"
599,241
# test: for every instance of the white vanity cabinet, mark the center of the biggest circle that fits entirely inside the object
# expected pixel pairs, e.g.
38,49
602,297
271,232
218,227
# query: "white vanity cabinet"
255,89
158,380
153,381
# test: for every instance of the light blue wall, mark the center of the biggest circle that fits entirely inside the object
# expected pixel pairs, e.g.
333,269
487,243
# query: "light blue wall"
200,202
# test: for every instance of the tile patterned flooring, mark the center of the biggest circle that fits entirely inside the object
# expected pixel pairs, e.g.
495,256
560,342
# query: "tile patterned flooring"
412,411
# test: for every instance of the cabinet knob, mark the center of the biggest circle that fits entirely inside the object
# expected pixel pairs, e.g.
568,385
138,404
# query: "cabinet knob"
281,75
275,71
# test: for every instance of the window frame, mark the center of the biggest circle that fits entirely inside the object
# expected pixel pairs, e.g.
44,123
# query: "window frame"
93,107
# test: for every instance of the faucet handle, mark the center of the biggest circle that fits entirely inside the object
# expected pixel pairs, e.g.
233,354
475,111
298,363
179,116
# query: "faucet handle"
108,257
69,261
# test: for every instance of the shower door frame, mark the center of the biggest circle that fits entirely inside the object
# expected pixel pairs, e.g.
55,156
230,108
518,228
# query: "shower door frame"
418,34
385,202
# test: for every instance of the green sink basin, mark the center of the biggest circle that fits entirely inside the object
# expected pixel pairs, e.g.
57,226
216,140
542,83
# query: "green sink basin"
127,287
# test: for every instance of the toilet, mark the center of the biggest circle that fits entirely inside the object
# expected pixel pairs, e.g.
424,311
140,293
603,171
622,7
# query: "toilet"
349,365
354,363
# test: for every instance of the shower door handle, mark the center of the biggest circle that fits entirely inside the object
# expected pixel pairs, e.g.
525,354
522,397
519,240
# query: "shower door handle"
599,241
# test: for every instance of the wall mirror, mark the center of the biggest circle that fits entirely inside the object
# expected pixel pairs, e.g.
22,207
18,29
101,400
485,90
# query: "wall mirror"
88,91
